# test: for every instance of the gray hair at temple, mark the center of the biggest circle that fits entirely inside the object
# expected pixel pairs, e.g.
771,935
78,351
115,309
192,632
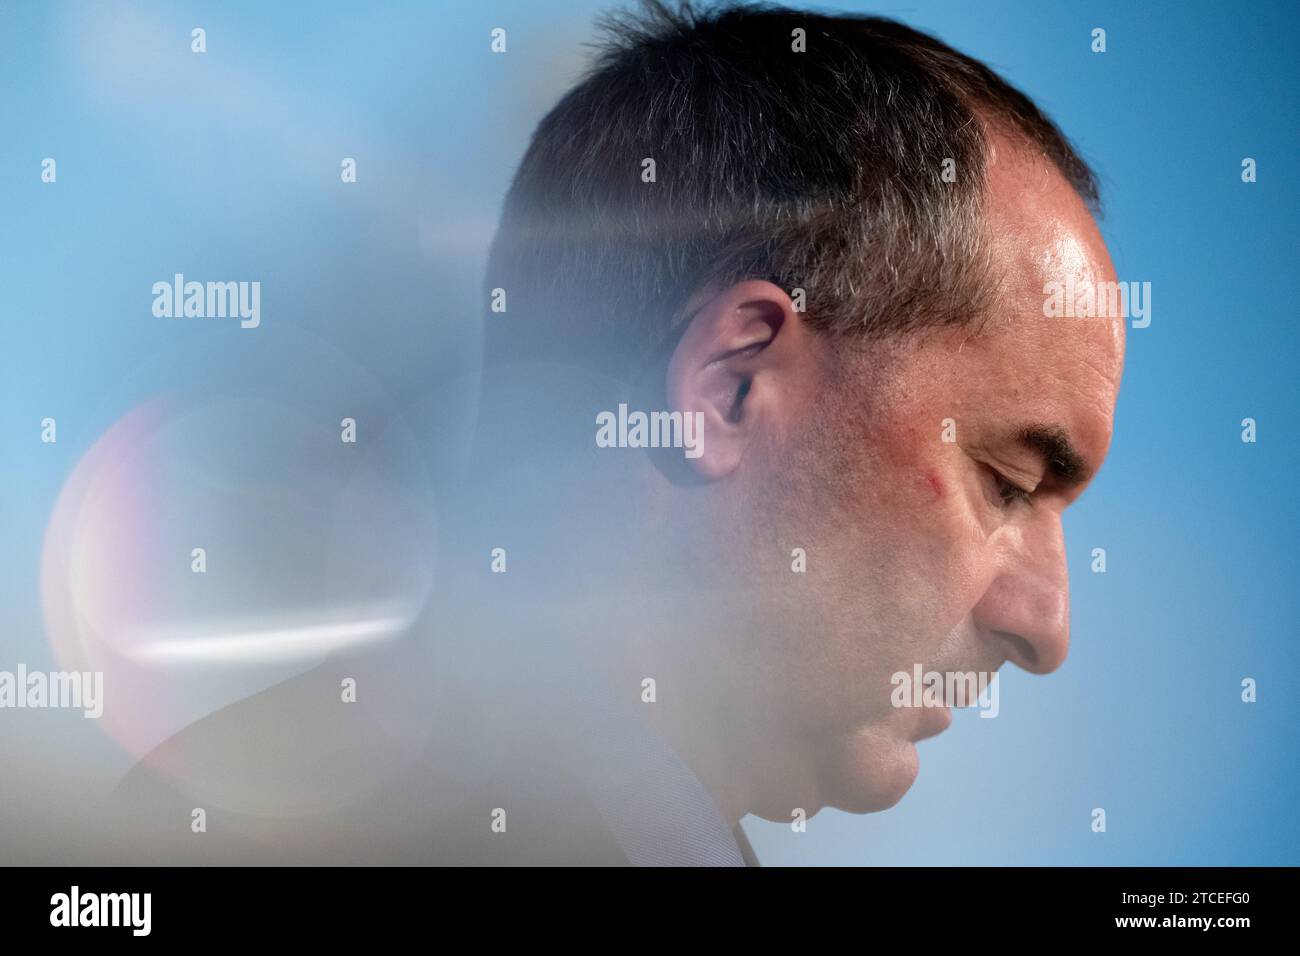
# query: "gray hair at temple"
819,169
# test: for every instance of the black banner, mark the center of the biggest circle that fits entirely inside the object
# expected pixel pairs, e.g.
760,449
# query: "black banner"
232,905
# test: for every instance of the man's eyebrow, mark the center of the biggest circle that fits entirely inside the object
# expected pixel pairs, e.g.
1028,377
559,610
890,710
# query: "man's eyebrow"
1062,459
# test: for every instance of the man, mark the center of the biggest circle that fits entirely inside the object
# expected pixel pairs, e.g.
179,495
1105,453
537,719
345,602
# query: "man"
811,253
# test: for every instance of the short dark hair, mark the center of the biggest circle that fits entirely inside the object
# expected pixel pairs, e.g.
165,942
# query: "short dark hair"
819,170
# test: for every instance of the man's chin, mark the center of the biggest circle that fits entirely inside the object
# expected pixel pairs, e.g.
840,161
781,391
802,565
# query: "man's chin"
869,772
874,771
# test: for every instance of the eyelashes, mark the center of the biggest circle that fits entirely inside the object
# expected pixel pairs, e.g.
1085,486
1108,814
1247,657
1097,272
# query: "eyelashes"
1007,493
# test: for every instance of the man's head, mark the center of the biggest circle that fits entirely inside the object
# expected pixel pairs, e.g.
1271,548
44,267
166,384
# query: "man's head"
839,262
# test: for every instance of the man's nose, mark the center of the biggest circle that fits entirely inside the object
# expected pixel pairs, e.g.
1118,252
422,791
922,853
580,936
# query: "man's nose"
1027,606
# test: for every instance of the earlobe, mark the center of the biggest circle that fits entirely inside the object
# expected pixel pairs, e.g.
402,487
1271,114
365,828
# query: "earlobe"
723,369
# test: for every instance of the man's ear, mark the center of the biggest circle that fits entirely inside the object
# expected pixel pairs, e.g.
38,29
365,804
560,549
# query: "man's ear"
737,364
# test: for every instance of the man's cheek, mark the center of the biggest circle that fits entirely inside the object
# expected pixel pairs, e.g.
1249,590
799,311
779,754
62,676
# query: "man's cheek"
930,521
917,470
934,481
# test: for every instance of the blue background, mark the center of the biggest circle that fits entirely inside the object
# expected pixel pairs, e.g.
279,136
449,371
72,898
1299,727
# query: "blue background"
226,166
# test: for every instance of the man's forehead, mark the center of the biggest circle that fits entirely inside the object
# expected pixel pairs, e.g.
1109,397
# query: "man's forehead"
1043,239
1037,225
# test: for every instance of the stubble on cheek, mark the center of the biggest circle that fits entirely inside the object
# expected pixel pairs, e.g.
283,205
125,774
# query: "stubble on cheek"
872,491
920,534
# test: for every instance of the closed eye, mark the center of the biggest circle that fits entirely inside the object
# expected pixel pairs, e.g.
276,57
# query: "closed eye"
1008,492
